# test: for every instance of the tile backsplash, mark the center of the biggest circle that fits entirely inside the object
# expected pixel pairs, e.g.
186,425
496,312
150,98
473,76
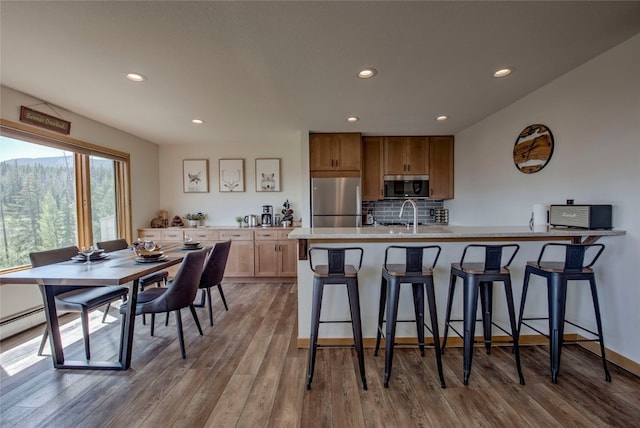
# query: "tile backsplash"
387,211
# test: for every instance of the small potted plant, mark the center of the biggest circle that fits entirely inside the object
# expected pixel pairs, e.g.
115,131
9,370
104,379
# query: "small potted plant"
195,218
239,220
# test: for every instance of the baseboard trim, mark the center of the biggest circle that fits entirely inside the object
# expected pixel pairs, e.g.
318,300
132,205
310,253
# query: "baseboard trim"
456,342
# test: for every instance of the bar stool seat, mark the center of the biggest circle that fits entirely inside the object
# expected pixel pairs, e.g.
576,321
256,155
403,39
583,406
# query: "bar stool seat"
420,277
336,272
557,274
480,277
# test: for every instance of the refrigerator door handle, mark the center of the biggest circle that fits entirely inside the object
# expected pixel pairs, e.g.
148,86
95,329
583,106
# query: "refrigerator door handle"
358,207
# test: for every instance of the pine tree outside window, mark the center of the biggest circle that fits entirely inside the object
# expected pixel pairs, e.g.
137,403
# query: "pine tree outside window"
42,180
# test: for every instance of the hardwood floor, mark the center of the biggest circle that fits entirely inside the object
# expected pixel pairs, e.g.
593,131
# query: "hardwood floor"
247,371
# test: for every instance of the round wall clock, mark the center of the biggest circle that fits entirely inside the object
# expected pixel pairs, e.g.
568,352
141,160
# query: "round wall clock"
533,149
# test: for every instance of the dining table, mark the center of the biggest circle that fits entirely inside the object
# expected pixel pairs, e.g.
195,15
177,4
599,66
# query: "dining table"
116,268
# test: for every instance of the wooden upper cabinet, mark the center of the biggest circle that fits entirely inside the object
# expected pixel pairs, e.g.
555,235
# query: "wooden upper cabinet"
335,152
441,167
406,155
372,168
320,152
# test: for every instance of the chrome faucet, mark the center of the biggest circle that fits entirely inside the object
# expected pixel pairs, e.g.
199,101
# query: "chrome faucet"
415,213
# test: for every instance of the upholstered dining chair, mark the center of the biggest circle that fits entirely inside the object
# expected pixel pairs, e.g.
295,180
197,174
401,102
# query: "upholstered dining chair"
212,275
76,298
160,278
179,294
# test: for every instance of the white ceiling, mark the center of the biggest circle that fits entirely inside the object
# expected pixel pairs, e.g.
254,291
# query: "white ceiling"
267,70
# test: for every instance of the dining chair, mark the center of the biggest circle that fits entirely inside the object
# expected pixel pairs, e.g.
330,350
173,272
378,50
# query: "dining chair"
178,295
160,278
212,275
76,298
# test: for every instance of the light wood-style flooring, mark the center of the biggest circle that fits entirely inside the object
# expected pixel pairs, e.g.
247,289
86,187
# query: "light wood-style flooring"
246,371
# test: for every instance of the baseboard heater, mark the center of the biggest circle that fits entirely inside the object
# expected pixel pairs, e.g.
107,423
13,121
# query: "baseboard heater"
22,315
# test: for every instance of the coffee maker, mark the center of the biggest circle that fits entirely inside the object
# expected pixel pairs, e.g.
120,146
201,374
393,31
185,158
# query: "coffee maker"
267,216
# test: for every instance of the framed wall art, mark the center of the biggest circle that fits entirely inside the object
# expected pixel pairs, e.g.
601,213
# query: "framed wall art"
231,175
195,175
267,175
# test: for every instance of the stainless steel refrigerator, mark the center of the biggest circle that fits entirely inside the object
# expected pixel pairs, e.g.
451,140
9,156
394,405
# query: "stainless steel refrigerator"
336,202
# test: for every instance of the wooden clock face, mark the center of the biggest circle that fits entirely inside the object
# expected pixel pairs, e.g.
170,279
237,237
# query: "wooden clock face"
533,149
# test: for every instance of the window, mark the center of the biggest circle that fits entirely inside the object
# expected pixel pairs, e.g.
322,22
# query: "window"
103,199
56,192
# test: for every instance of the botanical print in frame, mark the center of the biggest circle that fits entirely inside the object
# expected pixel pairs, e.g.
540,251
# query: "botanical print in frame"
267,175
231,175
195,175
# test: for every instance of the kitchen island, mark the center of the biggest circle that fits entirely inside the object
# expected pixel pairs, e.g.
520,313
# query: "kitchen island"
452,239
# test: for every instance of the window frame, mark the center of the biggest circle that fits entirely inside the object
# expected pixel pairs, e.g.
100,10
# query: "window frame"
82,152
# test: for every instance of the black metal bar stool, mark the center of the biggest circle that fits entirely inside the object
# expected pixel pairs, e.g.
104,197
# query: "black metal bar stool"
480,276
420,277
336,272
557,274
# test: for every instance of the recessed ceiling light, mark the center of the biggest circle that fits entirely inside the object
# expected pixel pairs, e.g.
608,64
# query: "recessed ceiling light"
197,121
442,118
503,72
352,119
367,73
135,77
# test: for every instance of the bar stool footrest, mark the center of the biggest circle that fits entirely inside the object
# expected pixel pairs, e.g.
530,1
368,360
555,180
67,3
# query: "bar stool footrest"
597,337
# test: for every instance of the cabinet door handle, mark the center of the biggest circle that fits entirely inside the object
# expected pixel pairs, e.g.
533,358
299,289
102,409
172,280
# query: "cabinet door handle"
336,163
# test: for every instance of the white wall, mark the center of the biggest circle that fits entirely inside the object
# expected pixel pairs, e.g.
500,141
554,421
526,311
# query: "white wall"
144,154
594,115
144,190
222,207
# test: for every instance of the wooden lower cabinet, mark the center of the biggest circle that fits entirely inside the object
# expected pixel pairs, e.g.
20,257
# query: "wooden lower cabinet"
260,252
288,262
275,254
241,258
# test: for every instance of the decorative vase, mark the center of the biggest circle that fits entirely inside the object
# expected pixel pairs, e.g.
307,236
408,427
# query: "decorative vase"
193,223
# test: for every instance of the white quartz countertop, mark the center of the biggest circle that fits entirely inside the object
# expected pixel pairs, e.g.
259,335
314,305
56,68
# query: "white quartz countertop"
445,232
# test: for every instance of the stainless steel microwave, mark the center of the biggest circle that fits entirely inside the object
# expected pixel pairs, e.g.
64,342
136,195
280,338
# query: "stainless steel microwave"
406,186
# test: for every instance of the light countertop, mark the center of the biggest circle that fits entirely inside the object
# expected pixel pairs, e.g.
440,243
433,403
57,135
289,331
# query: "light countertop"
446,232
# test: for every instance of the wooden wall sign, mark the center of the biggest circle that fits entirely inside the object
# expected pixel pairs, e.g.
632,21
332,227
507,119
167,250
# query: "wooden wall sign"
34,117
533,149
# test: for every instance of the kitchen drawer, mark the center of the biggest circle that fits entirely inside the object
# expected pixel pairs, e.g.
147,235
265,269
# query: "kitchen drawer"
172,235
236,235
152,235
284,233
266,235
272,234
203,235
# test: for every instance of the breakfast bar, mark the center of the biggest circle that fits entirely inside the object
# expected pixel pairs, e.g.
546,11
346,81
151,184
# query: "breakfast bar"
452,239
